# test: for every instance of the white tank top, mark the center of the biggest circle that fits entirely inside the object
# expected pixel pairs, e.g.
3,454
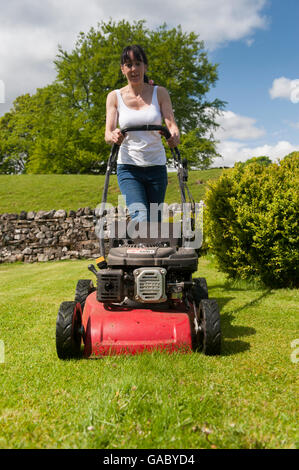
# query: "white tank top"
142,148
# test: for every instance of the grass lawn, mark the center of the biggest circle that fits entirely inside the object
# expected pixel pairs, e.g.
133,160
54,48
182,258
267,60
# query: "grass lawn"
245,398
46,192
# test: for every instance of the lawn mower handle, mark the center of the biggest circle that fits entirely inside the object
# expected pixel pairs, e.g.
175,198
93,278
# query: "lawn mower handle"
180,165
148,127
145,127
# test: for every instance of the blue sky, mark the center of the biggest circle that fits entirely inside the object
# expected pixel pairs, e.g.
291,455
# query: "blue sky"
254,41
247,69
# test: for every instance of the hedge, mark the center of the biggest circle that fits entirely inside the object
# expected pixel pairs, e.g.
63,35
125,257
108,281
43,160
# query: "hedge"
251,222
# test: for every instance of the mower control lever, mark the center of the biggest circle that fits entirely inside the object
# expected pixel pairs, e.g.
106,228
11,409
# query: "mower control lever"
92,269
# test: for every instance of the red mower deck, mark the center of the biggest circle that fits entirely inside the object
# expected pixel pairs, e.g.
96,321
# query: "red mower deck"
126,330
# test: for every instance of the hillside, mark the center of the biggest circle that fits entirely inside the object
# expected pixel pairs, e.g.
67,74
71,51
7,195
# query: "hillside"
45,192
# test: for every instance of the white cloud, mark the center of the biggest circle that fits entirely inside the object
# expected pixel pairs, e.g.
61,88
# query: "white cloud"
235,133
235,126
2,91
238,152
217,21
30,30
285,88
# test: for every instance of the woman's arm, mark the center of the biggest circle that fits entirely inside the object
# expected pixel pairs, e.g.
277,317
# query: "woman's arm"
168,116
112,133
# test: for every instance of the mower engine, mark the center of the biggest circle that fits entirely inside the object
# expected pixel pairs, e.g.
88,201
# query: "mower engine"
145,273
145,285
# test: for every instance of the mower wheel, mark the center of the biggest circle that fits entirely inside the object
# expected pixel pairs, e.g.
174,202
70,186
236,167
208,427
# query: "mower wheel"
200,290
83,289
69,331
209,324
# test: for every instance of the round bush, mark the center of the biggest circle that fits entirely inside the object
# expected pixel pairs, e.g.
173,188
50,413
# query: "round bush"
251,221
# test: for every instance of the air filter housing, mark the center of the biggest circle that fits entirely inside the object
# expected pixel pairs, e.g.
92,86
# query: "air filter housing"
150,285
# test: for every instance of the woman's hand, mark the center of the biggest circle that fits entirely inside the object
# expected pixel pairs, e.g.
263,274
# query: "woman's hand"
116,137
174,140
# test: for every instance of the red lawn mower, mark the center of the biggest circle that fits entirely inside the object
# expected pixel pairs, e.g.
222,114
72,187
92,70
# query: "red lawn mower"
145,298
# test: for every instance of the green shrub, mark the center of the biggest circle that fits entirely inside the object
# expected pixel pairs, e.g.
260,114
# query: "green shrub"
251,221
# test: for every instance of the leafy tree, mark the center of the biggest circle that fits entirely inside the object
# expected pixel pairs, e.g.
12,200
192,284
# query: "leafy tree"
61,128
292,156
263,160
16,139
66,140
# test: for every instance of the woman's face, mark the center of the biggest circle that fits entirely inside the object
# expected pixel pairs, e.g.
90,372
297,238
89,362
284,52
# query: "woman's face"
134,69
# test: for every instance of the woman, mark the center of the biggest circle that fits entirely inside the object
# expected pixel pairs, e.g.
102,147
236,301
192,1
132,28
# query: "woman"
141,164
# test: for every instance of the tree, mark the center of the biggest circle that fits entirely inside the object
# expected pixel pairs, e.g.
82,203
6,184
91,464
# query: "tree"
65,122
65,140
16,139
263,160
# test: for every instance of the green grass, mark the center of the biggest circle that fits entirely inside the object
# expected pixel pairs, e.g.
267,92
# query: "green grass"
245,398
46,192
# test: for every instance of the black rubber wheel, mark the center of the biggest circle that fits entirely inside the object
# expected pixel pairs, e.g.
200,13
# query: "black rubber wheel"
209,327
199,290
83,289
68,331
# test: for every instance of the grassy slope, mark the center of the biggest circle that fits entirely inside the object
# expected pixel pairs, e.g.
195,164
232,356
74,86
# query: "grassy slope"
246,397
45,192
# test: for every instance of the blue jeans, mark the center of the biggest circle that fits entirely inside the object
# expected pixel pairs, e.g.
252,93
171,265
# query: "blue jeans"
142,186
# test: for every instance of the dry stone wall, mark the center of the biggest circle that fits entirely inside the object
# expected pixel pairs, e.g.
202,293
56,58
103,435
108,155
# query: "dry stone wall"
48,235
56,234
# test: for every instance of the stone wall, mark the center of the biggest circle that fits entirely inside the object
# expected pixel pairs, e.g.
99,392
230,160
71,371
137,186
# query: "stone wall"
48,235
56,234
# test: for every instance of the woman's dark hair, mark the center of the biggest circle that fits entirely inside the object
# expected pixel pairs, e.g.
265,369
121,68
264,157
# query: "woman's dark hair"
138,54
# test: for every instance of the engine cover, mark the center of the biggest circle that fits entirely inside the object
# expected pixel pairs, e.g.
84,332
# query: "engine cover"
110,287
